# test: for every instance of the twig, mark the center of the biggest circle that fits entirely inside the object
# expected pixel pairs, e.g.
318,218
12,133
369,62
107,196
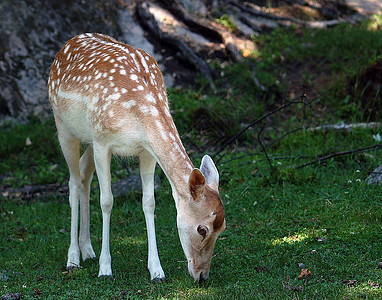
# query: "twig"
232,139
262,146
320,159
364,168
283,136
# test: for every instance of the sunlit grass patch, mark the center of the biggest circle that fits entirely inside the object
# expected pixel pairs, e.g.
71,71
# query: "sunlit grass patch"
291,239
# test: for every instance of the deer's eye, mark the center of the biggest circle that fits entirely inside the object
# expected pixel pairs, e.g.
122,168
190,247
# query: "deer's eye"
202,230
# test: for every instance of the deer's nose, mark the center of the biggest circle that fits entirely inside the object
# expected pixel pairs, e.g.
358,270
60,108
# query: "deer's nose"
201,278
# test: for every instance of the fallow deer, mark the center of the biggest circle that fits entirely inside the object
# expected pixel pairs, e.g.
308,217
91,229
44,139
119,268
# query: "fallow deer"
112,97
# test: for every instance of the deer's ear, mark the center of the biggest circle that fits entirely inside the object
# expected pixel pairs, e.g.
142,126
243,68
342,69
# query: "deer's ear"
210,172
196,184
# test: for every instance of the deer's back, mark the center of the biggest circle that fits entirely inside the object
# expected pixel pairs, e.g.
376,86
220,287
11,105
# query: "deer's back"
100,87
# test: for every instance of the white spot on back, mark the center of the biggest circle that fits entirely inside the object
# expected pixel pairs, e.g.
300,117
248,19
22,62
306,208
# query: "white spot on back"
129,104
144,109
161,130
150,98
135,61
143,61
114,96
153,111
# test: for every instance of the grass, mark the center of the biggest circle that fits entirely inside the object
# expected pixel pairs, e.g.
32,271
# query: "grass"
322,216
280,219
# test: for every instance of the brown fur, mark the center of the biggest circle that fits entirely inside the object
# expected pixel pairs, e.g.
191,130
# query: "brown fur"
216,205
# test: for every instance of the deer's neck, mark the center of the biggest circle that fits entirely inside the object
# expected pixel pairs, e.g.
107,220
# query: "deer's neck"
173,159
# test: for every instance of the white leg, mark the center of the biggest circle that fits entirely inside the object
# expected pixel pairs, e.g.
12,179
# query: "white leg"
86,171
70,146
102,157
147,167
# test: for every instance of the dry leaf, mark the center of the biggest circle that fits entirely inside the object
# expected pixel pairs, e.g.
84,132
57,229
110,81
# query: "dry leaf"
373,284
305,273
247,52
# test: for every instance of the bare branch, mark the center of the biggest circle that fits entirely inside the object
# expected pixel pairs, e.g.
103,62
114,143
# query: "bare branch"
297,100
320,159
262,146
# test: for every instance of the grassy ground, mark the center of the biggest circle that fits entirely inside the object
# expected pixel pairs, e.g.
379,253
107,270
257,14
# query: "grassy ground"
281,219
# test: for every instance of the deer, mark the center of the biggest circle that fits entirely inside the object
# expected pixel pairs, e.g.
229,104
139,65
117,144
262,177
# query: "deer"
112,98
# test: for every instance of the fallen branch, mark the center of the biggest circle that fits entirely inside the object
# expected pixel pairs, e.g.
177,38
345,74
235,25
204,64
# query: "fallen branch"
320,159
343,126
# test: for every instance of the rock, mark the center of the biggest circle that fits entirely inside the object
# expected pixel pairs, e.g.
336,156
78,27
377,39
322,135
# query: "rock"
375,176
13,296
31,33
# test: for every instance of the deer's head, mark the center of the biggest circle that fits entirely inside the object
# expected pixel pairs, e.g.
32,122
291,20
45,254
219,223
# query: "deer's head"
201,218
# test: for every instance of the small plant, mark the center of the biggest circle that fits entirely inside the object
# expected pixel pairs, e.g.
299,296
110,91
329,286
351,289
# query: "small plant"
227,22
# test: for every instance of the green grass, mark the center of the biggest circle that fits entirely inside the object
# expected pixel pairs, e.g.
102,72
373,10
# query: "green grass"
227,22
323,216
278,216
341,53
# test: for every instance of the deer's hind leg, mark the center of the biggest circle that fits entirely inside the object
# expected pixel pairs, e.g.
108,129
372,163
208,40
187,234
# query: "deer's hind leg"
86,171
70,146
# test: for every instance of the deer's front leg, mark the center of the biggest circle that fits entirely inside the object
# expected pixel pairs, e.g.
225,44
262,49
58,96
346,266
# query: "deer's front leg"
147,167
87,170
102,164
